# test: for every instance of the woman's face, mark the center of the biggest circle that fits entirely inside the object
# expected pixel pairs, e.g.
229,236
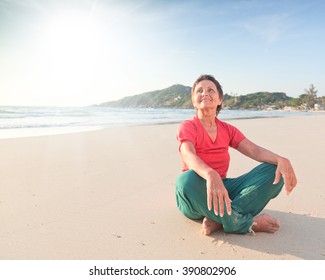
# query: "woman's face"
205,96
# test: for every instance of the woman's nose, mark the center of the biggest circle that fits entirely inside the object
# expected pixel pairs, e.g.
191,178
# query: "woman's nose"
204,92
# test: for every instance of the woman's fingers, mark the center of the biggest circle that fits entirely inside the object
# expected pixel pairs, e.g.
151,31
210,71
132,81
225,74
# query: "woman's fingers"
277,176
290,181
285,170
228,205
220,201
210,199
217,197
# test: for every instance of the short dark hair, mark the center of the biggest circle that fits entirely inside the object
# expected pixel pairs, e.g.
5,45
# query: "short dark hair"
213,80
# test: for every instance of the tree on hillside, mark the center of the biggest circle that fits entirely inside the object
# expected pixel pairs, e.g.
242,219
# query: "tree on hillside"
294,102
310,96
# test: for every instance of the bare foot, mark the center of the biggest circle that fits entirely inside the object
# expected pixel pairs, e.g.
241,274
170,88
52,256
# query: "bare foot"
209,226
265,223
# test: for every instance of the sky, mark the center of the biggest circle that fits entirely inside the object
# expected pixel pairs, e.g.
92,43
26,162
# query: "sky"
79,53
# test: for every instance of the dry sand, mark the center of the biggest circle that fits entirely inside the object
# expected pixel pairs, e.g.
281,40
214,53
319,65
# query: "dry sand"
109,194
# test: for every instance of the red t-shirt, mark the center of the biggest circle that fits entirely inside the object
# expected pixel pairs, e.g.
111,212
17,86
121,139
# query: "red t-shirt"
215,154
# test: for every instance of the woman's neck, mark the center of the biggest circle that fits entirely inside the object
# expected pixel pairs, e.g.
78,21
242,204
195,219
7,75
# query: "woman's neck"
207,118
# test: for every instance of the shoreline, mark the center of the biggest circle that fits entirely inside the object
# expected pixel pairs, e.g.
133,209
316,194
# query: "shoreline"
12,133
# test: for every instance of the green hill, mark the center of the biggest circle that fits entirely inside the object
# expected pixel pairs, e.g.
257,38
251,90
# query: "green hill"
176,96
258,100
179,96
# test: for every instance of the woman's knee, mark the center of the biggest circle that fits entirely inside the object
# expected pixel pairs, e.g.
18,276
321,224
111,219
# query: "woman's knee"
188,181
187,195
266,172
270,169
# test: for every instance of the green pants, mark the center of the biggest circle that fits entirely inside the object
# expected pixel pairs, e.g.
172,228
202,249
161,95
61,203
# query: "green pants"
249,194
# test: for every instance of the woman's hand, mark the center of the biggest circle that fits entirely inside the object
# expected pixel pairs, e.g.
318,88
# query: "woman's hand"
217,195
285,170
260,154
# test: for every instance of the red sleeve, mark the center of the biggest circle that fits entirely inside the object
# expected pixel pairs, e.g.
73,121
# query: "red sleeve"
186,132
236,136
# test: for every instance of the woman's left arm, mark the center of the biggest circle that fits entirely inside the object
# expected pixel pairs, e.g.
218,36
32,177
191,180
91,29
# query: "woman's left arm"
284,167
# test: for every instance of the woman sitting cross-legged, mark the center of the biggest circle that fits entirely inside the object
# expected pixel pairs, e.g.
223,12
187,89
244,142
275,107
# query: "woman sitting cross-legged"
203,189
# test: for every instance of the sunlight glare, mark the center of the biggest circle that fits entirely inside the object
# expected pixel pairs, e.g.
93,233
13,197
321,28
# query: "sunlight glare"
74,47
74,40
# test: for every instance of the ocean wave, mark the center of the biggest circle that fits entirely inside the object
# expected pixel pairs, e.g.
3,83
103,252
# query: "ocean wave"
14,117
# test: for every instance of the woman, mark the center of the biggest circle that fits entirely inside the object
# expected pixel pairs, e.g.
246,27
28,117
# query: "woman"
203,189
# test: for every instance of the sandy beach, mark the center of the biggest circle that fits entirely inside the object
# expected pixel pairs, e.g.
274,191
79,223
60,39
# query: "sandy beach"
109,194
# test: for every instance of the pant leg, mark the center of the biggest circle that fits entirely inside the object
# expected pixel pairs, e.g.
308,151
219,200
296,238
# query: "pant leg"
191,197
249,193
253,190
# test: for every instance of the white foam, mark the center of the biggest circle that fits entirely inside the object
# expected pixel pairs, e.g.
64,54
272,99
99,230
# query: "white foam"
43,131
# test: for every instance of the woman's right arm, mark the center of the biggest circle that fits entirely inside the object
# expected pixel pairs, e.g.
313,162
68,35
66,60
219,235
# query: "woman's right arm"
217,194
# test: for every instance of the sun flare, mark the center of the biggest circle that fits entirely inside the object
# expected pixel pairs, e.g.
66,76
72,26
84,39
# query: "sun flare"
72,39
72,49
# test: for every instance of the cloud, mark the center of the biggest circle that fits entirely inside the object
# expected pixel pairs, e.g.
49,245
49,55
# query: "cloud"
270,28
182,52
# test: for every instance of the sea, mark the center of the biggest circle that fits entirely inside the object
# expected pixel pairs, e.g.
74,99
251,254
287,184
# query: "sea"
25,121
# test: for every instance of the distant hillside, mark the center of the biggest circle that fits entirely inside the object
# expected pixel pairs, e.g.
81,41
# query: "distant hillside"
257,100
176,96
179,96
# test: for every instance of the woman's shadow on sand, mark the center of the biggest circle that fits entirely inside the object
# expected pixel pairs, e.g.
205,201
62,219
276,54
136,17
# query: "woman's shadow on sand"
302,236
